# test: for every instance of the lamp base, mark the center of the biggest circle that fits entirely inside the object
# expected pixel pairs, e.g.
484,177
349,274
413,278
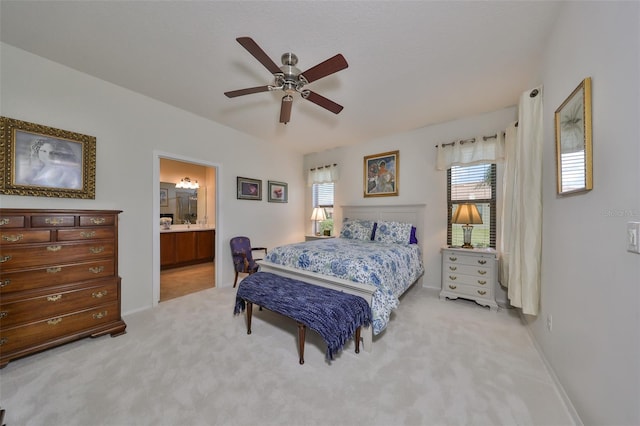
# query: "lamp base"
466,232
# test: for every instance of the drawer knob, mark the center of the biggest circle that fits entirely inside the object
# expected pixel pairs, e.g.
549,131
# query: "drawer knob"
453,268
96,270
96,250
482,282
54,270
54,248
12,238
453,287
5,259
53,221
453,259
54,321
4,221
99,294
482,262
91,234
3,341
482,271
453,277
482,292
5,283
97,220
4,314
54,298
100,315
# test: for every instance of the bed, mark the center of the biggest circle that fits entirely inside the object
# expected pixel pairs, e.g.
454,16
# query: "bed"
379,270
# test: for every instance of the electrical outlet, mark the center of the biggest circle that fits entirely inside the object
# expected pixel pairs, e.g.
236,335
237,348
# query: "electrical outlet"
633,232
549,322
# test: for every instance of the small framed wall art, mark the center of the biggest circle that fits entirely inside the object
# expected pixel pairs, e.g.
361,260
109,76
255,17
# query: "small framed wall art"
381,174
278,192
249,189
42,161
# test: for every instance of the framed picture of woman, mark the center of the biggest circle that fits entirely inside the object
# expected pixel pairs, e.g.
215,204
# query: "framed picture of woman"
381,174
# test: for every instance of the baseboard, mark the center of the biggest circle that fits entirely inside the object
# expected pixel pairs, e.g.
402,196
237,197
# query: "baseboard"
577,421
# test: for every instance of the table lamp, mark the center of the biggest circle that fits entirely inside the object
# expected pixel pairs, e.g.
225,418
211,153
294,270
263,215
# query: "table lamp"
467,214
317,216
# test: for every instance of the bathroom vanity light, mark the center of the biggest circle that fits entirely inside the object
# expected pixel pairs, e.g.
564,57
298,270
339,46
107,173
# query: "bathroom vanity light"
187,184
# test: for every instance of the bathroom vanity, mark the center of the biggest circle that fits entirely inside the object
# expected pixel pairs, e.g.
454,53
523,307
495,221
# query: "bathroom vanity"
183,245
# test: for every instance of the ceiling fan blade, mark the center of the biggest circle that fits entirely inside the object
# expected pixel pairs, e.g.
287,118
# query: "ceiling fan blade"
322,101
285,109
325,68
247,91
253,48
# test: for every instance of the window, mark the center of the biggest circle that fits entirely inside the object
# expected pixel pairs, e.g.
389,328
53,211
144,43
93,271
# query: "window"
323,197
475,184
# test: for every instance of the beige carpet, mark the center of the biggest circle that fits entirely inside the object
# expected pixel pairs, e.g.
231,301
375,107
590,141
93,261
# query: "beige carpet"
190,362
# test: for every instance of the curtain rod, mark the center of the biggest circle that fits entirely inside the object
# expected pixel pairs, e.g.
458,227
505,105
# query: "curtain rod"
472,140
323,167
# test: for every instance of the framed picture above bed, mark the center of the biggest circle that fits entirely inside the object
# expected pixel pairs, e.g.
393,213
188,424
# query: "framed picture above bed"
381,173
249,189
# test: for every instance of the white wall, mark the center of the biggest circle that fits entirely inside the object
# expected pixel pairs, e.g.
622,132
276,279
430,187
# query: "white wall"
129,128
419,181
590,283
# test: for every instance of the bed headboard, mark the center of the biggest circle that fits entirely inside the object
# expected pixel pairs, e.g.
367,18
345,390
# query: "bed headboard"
408,213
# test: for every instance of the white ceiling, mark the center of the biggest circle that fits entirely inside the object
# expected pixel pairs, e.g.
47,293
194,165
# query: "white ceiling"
411,63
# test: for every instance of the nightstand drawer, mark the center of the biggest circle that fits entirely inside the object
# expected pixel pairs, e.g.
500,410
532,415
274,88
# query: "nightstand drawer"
476,271
467,279
467,290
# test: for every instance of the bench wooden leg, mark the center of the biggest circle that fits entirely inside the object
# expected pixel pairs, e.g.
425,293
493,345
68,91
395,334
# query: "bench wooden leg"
249,312
302,329
357,340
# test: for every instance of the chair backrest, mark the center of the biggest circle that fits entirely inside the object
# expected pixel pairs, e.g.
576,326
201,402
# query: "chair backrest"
240,245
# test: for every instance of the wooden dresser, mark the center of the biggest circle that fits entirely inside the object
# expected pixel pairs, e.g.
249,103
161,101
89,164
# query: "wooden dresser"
58,278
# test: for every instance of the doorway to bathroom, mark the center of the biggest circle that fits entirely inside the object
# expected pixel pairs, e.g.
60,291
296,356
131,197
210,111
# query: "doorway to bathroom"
185,219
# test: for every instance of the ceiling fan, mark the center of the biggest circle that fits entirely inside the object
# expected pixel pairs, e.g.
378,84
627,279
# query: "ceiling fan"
290,80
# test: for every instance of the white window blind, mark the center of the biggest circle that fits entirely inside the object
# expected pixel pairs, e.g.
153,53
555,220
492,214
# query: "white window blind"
323,195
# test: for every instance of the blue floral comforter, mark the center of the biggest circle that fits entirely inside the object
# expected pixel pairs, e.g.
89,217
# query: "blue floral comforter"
392,268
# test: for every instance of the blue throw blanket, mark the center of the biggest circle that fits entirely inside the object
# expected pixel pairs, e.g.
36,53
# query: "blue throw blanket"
333,314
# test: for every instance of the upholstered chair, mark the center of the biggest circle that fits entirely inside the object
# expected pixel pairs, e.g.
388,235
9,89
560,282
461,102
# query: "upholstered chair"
243,261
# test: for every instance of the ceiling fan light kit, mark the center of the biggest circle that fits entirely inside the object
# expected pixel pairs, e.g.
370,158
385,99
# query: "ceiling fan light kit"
290,79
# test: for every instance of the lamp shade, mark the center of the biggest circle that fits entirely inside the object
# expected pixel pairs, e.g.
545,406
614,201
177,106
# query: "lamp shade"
318,214
467,214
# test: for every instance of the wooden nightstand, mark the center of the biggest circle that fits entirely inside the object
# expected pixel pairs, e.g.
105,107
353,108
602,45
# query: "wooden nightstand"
470,274
317,237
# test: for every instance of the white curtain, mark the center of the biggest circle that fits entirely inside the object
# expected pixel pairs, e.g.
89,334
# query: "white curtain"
322,174
481,149
521,236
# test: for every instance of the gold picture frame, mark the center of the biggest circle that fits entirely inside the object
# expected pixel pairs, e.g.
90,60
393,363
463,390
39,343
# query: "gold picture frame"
574,141
381,173
41,161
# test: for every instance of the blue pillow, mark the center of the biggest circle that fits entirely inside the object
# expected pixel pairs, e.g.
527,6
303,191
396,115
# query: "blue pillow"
393,232
412,238
355,229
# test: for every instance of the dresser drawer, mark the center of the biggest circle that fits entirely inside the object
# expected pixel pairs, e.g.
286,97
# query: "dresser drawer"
97,220
469,291
54,275
467,279
11,221
462,259
48,221
39,332
85,234
476,271
80,298
23,236
14,257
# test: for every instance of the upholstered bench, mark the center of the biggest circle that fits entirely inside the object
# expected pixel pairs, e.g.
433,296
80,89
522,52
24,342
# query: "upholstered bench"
333,314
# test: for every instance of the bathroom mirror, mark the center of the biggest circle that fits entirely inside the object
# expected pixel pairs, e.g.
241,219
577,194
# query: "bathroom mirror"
573,141
182,205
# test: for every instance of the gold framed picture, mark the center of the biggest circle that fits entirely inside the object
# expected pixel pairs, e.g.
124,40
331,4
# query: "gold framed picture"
381,173
41,161
573,141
